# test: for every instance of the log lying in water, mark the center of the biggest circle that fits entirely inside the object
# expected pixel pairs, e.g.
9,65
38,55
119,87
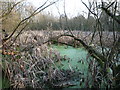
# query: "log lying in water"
99,57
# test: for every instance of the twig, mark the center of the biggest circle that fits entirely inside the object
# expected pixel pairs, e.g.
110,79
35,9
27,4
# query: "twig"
33,14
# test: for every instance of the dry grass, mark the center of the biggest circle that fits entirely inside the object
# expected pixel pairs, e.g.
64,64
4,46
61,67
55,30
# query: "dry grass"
34,65
42,36
28,68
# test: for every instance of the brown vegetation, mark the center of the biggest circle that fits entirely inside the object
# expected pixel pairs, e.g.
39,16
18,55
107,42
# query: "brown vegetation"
42,36
33,61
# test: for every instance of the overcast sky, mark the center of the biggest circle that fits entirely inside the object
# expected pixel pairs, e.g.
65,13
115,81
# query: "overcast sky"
73,7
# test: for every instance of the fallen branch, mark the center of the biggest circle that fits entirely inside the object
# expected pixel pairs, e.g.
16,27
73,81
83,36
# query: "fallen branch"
99,57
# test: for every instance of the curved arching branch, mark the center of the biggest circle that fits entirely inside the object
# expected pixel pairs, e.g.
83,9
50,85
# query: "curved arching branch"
99,57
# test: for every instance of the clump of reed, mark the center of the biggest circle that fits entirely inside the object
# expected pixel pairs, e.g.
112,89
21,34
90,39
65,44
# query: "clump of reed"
33,65
88,37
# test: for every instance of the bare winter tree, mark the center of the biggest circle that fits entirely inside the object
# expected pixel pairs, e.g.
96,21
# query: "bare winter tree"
106,53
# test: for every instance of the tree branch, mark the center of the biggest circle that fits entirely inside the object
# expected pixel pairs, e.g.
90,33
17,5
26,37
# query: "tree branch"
7,13
110,14
33,14
99,57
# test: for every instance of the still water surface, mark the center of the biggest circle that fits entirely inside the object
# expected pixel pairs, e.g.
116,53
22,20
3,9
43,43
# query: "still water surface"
76,60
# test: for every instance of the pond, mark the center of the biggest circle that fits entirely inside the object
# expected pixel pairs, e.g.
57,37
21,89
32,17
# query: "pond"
76,59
